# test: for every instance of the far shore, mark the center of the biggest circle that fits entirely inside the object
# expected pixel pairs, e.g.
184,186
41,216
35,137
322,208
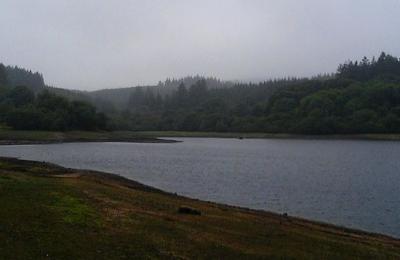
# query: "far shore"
14,137
177,134
33,142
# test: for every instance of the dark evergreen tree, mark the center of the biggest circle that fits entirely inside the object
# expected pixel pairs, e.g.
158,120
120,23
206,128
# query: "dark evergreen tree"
181,95
3,75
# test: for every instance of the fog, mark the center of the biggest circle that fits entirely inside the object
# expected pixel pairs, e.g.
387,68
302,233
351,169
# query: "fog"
92,44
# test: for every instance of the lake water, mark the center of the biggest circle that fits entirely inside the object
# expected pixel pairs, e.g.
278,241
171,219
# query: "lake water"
350,183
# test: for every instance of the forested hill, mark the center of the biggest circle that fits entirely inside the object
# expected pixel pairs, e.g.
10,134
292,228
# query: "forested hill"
118,98
362,97
32,106
21,77
107,100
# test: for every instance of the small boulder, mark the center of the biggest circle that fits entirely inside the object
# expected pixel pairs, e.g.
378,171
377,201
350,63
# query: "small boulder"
189,211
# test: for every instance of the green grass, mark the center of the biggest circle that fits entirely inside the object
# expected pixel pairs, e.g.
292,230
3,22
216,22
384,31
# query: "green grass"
74,210
50,212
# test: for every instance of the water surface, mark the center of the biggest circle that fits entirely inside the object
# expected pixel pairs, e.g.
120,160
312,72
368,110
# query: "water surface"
350,183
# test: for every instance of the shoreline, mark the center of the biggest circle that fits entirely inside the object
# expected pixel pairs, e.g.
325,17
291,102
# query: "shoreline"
182,134
112,179
12,137
38,142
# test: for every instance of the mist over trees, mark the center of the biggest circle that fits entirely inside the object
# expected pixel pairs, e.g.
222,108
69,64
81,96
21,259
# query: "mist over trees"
109,100
21,77
22,109
361,97
200,108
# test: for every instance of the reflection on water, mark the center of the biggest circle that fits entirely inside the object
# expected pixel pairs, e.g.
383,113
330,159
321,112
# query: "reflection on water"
351,183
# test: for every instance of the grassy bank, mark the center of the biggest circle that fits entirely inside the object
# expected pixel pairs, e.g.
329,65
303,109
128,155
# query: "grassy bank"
32,137
49,211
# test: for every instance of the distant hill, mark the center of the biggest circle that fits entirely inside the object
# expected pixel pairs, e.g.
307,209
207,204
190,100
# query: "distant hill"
118,98
26,103
361,97
17,76
107,100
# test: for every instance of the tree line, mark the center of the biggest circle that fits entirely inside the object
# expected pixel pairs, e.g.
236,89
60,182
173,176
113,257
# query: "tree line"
21,77
22,109
362,97
199,107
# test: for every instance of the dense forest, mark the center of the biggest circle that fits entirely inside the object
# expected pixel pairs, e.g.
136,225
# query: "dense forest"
36,108
200,108
21,77
361,97
110,100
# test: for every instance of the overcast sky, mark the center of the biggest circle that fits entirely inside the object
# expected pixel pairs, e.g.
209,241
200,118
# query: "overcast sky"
92,44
